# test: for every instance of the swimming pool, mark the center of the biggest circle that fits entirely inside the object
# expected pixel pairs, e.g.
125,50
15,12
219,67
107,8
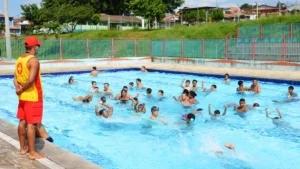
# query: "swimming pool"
130,141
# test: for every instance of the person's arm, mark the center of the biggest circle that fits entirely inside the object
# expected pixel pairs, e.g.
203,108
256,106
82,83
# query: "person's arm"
278,111
182,83
267,113
17,86
109,92
243,110
225,110
144,109
202,85
164,122
97,110
258,89
110,109
175,98
34,67
209,111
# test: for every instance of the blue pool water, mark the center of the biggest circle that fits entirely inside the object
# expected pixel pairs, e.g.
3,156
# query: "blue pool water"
129,141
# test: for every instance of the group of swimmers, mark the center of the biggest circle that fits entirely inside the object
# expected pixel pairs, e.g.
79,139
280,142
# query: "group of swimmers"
187,98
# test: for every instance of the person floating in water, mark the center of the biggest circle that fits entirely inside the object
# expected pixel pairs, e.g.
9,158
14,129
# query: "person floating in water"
194,87
187,84
94,72
189,118
185,91
85,99
155,115
212,88
123,96
106,112
139,83
275,120
291,96
255,87
141,108
131,84
217,113
106,90
192,96
226,79
184,99
71,80
143,69
241,88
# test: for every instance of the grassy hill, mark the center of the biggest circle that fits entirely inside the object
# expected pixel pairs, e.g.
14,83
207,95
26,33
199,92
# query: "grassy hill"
210,30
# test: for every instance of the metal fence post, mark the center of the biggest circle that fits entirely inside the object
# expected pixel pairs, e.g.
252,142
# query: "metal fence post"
60,48
134,47
226,48
112,48
291,31
182,48
253,48
151,48
87,48
203,48
238,32
284,48
261,31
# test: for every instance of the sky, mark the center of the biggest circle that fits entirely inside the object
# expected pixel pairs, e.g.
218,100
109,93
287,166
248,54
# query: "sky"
15,9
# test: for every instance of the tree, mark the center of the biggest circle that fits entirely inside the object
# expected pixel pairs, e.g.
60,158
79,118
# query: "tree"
95,19
282,6
202,15
217,14
52,27
246,6
31,13
149,9
190,16
243,16
172,4
69,16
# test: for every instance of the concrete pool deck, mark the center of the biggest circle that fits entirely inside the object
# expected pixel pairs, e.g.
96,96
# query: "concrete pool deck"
85,65
61,158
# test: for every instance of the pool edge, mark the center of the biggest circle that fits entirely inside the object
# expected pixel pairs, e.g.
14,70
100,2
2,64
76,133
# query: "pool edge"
57,156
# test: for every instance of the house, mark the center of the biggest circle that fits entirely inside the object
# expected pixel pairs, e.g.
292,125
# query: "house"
14,29
121,22
294,8
264,10
23,24
233,14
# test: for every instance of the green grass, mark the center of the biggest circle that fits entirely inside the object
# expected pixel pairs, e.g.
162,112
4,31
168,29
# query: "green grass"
210,30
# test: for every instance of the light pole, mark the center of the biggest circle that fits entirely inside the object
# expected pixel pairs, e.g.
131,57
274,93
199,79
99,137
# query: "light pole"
279,6
238,12
256,10
7,32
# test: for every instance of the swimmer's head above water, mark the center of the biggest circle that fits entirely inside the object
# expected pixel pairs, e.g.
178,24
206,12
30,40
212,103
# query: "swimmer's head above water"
131,84
192,94
195,83
190,118
256,105
155,111
242,102
160,93
241,83
217,113
213,87
71,80
149,91
94,84
226,76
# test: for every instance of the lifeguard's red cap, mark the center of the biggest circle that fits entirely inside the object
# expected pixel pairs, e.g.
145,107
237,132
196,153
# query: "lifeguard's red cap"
32,41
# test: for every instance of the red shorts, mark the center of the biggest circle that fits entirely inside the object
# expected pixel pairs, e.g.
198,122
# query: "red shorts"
31,112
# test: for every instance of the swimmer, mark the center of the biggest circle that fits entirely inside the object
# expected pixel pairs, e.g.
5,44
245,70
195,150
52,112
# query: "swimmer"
275,120
230,146
242,108
106,89
255,87
226,79
92,88
185,91
135,102
41,132
139,83
291,93
143,69
241,88
94,72
217,113
102,100
192,96
148,92
160,93
189,118
104,112
212,87
123,96
194,87
85,99
131,84
154,114
187,84
184,100
141,108
71,80
96,90
249,106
